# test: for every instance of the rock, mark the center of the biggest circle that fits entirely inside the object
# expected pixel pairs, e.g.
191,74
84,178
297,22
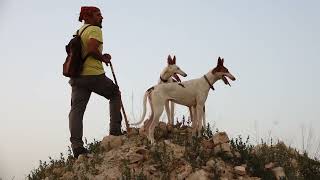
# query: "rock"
81,158
134,157
162,129
142,150
178,151
237,154
90,155
58,171
211,163
80,169
112,173
151,169
240,170
244,165
223,170
189,130
181,172
68,176
111,142
175,130
206,168
219,165
142,132
294,163
162,126
170,128
293,152
254,178
229,154
100,177
133,132
222,148
199,175
269,166
248,178
278,172
220,138
207,144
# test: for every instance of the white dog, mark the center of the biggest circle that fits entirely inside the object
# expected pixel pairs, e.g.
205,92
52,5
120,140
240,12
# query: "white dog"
192,93
168,75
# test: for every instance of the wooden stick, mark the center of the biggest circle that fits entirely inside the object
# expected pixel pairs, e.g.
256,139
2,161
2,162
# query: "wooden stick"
122,108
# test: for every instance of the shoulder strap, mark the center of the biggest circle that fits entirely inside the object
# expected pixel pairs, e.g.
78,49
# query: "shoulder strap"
83,30
80,37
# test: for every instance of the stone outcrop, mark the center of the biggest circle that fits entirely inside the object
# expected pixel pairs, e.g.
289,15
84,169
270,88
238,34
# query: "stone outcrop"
174,156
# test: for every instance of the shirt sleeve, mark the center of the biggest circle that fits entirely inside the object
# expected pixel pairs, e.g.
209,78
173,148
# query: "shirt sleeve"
95,33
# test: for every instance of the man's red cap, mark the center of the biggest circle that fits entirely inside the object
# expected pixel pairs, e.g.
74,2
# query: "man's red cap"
87,11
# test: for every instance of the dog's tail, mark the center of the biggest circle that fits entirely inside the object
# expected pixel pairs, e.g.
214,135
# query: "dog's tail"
146,95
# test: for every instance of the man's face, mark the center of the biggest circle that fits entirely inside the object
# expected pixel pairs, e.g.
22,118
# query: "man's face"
97,18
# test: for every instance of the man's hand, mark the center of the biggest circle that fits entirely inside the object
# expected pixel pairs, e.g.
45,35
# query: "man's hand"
106,58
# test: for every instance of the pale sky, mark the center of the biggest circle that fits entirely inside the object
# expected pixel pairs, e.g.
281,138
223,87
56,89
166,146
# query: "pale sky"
272,48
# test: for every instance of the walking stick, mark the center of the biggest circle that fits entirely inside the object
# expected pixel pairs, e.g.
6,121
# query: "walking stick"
122,108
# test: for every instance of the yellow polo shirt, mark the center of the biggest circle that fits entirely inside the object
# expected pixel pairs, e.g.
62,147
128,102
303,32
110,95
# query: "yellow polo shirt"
91,65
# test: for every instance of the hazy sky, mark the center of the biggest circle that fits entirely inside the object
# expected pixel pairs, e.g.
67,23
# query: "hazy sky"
271,47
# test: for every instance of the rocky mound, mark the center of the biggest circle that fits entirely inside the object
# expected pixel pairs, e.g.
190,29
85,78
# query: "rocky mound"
179,155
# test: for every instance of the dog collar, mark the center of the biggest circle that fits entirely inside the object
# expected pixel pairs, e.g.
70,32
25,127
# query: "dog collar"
205,77
163,80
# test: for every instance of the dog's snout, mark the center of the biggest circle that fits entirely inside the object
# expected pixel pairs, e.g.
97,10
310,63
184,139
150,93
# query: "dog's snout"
185,75
230,76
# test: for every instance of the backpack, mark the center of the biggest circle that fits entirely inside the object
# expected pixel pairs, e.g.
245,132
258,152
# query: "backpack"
73,64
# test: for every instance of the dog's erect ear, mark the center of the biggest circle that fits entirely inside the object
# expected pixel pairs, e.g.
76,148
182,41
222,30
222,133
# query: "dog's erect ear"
170,61
222,61
219,61
174,60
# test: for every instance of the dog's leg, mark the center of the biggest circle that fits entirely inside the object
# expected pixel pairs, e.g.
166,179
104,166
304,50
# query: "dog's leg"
194,120
199,110
154,123
191,114
147,124
171,113
157,105
204,116
166,105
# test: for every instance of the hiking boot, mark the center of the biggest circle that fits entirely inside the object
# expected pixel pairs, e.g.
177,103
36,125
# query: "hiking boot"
78,151
115,124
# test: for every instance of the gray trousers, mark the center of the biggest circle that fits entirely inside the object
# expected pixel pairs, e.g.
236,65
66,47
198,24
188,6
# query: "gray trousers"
81,90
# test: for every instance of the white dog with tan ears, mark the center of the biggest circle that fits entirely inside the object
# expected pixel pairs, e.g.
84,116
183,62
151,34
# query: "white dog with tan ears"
168,75
192,93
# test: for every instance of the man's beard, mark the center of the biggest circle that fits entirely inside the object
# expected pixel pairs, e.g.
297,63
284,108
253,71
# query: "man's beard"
100,24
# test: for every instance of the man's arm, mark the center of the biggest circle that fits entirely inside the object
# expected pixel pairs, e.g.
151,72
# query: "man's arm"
93,50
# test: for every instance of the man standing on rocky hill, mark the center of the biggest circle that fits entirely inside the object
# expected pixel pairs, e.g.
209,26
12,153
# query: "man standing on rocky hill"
92,79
